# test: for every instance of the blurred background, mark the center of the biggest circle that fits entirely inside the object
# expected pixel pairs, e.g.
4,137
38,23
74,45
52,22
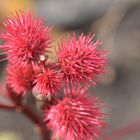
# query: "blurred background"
117,24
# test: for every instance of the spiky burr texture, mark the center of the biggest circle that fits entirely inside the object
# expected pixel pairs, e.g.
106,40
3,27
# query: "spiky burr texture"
48,82
19,79
81,60
76,117
25,38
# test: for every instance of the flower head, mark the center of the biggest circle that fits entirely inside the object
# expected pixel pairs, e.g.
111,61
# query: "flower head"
25,38
47,83
76,117
19,79
81,60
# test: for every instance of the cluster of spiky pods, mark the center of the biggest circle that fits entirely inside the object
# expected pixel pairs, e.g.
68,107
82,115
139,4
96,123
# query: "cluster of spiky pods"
71,112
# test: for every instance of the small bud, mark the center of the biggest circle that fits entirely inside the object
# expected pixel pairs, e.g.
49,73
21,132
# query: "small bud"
38,96
42,57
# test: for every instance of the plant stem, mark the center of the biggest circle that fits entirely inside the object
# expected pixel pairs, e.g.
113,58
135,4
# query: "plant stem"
124,131
29,113
7,107
41,128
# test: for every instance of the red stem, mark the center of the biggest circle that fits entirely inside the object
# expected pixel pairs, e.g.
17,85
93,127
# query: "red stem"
41,128
7,107
28,112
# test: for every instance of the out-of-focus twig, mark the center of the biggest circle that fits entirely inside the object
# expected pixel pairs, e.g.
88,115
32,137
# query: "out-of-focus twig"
113,17
125,131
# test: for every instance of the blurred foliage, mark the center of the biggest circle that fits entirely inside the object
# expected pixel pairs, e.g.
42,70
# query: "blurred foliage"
8,135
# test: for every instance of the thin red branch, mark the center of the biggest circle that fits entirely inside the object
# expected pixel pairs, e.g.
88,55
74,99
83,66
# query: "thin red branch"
7,107
125,131
30,114
41,128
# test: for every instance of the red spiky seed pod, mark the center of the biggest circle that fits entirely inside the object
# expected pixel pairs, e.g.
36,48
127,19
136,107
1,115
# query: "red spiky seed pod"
19,79
76,117
81,60
25,39
47,83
